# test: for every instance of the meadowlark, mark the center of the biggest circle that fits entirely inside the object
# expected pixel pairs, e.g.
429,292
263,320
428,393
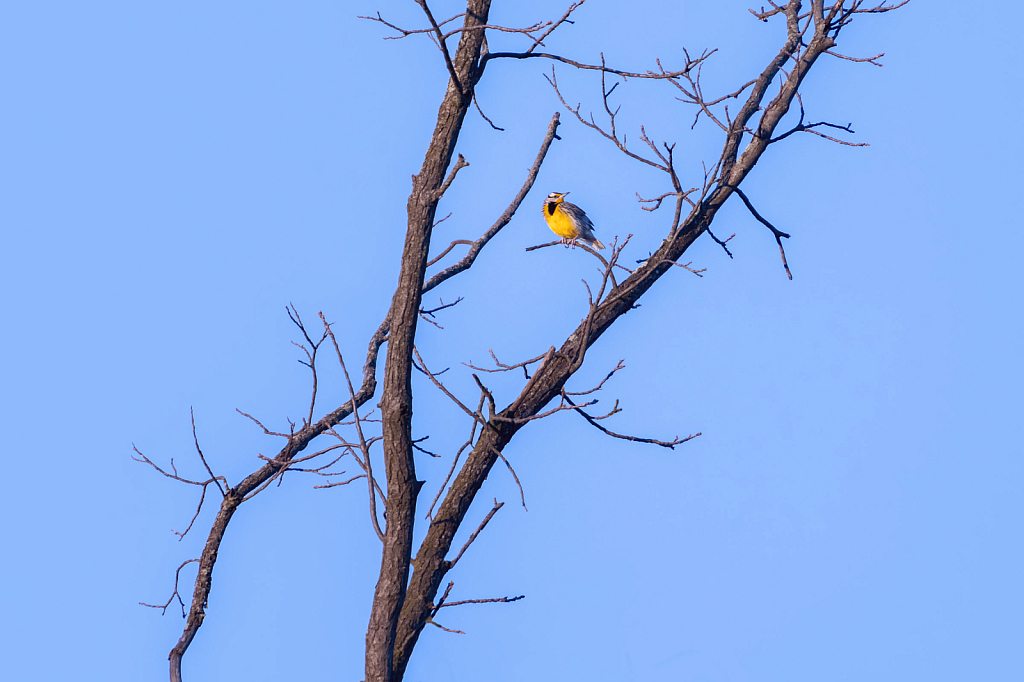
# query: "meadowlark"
569,221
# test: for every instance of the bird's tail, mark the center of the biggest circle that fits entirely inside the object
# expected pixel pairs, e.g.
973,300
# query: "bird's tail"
598,244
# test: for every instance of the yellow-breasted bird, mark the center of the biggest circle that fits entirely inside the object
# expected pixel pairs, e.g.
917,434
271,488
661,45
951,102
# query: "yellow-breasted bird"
569,221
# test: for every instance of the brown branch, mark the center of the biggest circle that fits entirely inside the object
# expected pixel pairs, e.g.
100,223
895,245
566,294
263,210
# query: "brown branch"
435,36
686,266
451,246
472,537
416,446
695,94
526,30
443,46
396,397
476,416
318,470
763,15
438,625
441,306
202,484
296,443
869,60
610,136
476,103
345,482
722,242
595,300
467,261
199,508
522,495
776,232
580,65
881,8
658,199
428,315
195,438
620,366
407,32
498,600
523,420
579,245
293,315
455,461
422,367
554,25
174,475
501,367
177,575
260,424
487,395
802,127
359,431
459,165
441,604
636,439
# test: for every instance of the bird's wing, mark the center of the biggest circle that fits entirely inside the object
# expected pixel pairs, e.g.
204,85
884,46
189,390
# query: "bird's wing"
580,220
578,216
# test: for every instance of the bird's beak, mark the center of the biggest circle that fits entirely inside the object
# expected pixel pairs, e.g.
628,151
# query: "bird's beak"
565,194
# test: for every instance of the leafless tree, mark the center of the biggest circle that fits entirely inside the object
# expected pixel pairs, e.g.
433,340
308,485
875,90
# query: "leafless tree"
406,594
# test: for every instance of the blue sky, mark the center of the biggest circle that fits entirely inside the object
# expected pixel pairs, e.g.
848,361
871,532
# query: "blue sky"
172,175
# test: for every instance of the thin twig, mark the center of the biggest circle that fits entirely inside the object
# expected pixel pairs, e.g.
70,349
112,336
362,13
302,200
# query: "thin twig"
776,232
498,600
359,430
467,261
455,461
460,163
721,242
501,367
637,439
438,625
177,575
195,438
472,537
522,495
443,47
415,445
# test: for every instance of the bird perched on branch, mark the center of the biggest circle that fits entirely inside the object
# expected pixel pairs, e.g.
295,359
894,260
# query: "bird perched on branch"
569,221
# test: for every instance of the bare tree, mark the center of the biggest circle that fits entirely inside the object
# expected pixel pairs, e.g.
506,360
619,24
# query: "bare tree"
405,603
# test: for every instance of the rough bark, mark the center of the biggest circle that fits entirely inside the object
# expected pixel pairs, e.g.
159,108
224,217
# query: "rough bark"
396,400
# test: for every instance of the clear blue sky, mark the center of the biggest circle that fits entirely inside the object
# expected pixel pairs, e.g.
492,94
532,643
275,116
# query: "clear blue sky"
173,174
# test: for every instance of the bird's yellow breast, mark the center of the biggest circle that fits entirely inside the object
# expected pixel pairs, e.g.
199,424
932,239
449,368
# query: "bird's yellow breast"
559,222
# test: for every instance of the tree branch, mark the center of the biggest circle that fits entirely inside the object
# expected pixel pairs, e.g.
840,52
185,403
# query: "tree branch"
443,46
396,397
472,537
363,447
476,247
777,233
671,445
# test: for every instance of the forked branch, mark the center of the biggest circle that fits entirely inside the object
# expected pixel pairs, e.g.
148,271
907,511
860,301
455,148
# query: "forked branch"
779,234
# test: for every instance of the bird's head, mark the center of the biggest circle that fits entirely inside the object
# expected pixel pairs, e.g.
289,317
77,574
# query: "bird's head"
556,197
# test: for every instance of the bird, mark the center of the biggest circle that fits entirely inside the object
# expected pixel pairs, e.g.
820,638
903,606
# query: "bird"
569,221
